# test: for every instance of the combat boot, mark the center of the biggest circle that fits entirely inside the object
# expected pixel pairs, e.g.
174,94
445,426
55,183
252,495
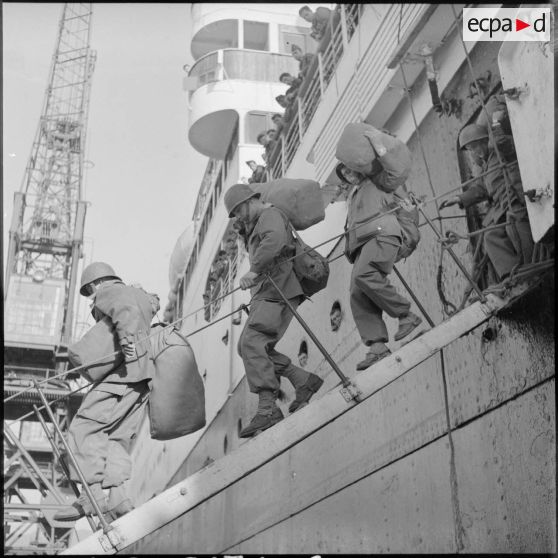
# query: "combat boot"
406,325
82,506
376,352
262,420
305,392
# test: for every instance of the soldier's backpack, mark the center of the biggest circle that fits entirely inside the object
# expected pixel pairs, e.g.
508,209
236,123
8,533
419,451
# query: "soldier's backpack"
301,200
310,267
408,218
176,403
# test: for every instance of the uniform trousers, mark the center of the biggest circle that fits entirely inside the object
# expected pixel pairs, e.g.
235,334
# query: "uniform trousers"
266,324
371,292
101,433
510,245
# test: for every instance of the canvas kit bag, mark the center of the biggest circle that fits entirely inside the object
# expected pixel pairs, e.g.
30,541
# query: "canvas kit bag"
176,402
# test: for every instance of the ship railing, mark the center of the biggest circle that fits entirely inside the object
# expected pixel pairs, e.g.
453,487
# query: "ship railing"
350,13
234,63
223,285
315,84
331,54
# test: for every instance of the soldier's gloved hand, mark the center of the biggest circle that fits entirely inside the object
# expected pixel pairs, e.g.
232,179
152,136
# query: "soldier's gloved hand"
454,200
248,280
129,350
497,117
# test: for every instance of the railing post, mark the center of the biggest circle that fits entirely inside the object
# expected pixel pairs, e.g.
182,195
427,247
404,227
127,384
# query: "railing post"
61,461
414,297
282,155
450,251
106,526
321,73
344,33
299,119
346,382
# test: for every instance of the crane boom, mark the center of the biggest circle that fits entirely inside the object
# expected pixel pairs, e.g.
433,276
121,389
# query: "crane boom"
46,234
45,246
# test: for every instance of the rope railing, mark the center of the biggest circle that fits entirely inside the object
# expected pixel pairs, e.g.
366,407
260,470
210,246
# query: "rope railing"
435,197
202,308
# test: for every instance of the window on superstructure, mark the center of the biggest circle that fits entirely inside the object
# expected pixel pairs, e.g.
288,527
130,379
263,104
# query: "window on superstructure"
215,36
256,35
257,122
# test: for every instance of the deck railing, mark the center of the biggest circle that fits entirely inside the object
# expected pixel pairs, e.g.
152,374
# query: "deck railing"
312,90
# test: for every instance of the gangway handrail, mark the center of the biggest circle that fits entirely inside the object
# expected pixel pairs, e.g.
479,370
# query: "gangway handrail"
210,481
376,216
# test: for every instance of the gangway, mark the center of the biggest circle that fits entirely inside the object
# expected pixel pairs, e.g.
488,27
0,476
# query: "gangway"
255,453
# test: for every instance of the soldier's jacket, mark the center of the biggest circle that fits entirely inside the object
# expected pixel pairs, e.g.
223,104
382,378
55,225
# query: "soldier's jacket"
492,187
376,195
131,310
320,21
270,242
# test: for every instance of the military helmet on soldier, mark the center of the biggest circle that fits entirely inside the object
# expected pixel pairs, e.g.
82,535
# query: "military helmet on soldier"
94,271
471,133
237,194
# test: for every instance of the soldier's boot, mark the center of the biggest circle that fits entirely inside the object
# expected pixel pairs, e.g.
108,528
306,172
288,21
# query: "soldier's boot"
82,506
406,325
376,352
118,502
266,416
305,392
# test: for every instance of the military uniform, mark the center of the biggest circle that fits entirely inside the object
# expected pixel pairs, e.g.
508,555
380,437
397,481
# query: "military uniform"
269,242
513,244
373,247
101,433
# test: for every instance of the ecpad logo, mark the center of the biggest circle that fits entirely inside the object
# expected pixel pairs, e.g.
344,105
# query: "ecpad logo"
506,24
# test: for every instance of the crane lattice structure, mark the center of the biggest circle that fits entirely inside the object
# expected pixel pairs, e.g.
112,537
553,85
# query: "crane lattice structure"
45,246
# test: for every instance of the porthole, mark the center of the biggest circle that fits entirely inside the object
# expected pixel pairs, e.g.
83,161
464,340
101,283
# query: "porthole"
303,354
335,316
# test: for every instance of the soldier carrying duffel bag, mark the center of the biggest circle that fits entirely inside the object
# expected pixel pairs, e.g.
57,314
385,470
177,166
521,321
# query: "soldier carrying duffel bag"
101,433
271,245
376,165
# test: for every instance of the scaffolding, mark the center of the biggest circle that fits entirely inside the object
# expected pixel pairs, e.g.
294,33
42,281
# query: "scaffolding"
45,246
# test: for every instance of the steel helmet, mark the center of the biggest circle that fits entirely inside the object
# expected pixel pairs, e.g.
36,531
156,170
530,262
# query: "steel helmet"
94,271
237,194
471,133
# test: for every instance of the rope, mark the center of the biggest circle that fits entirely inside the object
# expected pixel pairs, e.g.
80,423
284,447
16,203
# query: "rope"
241,307
174,323
376,216
439,283
489,128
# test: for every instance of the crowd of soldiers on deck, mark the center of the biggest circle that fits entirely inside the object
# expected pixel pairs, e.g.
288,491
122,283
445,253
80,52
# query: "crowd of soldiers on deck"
320,20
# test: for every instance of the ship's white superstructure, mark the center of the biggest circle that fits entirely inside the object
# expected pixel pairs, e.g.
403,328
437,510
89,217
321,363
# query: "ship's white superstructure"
457,453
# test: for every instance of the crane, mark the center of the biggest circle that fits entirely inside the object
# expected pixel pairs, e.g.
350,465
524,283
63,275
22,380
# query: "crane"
44,251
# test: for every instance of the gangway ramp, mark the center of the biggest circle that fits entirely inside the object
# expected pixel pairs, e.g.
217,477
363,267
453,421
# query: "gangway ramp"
271,444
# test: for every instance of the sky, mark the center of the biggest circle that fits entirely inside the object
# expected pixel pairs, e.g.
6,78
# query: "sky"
144,177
